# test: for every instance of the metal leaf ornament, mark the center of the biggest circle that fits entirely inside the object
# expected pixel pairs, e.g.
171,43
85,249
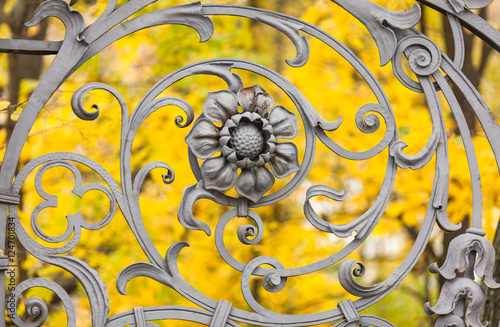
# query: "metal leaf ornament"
457,260
246,140
468,255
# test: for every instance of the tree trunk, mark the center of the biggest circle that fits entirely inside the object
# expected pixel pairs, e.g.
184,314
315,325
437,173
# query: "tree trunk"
474,73
491,311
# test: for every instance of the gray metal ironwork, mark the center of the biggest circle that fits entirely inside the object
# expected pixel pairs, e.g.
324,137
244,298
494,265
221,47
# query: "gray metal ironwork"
248,139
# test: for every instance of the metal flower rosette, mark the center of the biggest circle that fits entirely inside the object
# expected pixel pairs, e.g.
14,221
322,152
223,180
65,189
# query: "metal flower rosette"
243,140
247,140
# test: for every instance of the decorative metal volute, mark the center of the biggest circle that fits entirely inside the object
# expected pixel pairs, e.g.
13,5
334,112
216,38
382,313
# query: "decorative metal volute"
458,260
469,254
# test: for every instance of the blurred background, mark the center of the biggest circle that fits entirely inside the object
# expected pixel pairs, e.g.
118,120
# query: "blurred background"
134,64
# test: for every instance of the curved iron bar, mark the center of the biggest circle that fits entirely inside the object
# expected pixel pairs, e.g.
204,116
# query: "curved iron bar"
162,88
165,313
37,308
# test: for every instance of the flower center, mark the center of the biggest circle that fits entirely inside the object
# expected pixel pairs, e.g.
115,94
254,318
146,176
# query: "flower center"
247,141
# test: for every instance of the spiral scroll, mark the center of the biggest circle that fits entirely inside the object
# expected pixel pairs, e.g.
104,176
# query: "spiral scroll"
424,58
367,122
272,282
346,271
37,308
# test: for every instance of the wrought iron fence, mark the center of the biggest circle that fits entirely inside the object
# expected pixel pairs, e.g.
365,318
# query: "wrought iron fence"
243,140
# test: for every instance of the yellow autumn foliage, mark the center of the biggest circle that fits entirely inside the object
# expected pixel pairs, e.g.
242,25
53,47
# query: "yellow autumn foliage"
134,64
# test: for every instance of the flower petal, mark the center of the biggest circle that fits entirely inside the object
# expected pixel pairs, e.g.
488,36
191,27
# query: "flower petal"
220,106
255,99
224,131
218,173
227,151
236,119
284,123
245,163
224,140
253,183
262,160
232,158
272,146
268,128
230,124
285,161
203,139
